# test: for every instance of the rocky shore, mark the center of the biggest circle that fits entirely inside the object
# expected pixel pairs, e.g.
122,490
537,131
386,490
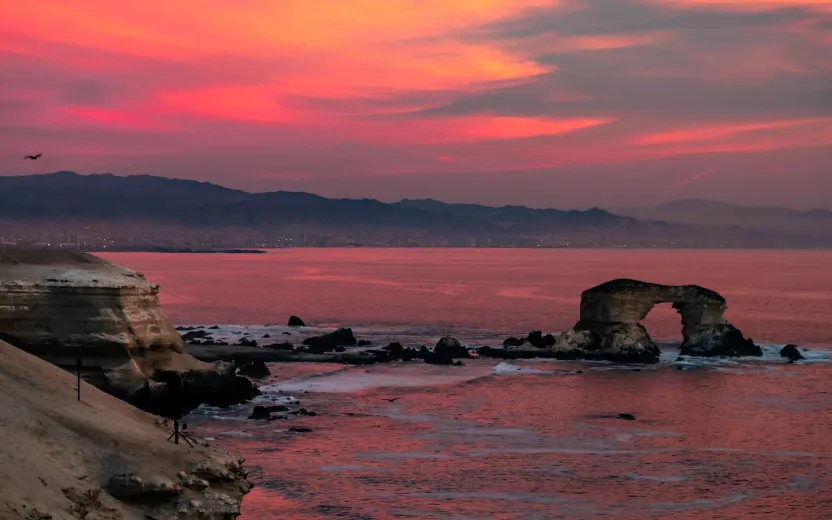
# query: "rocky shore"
99,458
608,330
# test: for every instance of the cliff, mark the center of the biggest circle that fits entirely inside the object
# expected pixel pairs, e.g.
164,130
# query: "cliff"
63,305
98,458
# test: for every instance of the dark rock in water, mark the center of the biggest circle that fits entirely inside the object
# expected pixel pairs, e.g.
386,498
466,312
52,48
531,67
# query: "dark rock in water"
284,345
266,336
186,328
286,333
626,416
450,347
396,351
256,369
364,343
194,334
245,342
298,429
513,342
340,348
435,358
791,352
537,339
214,327
264,413
260,413
303,411
328,342
294,321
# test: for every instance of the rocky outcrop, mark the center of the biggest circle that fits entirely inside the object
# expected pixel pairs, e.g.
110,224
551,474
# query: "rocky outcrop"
450,347
612,312
791,352
330,341
99,458
294,321
609,327
64,306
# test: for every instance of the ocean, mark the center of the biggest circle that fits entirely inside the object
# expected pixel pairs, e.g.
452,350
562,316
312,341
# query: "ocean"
532,439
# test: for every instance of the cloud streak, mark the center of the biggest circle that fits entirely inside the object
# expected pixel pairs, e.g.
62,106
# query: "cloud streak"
307,91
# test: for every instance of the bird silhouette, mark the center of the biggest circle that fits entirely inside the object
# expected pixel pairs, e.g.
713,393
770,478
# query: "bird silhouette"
33,157
393,400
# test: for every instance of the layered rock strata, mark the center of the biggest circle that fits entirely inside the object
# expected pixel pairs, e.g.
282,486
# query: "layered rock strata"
64,306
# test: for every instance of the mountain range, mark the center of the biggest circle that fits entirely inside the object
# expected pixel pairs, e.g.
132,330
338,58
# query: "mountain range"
151,206
815,222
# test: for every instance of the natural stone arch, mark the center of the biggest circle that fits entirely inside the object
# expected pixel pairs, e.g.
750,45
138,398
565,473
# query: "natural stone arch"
611,312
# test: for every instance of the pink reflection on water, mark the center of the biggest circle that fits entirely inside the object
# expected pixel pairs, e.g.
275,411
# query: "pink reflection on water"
775,296
705,445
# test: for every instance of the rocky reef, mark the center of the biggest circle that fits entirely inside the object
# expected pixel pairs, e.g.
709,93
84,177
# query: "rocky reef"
64,306
99,457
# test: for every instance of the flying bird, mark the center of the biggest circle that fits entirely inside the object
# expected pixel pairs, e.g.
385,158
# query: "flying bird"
33,157
393,400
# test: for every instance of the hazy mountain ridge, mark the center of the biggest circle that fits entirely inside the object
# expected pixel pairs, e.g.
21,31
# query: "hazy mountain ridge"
159,203
814,222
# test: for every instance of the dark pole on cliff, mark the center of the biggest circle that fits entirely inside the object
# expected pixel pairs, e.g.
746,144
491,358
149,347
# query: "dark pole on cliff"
78,370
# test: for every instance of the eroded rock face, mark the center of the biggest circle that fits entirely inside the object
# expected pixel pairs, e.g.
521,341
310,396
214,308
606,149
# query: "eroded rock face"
62,305
612,312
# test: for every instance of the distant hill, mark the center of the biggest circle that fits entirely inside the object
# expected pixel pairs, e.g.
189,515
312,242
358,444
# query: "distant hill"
816,222
155,206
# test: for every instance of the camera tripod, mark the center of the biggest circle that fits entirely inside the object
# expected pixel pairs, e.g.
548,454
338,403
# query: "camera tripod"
180,433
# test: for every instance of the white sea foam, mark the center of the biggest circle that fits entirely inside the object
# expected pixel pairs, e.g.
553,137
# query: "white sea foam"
383,376
507,369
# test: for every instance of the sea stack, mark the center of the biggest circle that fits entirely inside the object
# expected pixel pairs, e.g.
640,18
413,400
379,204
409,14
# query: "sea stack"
611,313
65,306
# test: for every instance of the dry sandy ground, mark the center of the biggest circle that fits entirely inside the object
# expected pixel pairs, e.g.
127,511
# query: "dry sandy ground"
56,453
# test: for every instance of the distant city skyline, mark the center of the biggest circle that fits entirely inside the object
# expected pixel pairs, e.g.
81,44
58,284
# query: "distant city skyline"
544,103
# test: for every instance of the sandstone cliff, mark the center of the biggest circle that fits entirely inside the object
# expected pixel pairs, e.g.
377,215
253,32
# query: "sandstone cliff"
98,458
62,305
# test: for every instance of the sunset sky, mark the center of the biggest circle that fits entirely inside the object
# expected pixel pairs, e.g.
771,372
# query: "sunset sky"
558,103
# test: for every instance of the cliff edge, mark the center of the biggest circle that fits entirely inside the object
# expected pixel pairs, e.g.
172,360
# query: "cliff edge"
99,458
63,306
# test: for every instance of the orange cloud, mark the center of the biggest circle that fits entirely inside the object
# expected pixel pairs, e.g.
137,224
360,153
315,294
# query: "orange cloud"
476,128
724,131
356,44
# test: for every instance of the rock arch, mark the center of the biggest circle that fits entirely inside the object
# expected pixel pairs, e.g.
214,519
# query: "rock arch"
611,312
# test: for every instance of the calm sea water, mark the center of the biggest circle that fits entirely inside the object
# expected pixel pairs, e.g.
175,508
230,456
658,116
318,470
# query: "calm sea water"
727,439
